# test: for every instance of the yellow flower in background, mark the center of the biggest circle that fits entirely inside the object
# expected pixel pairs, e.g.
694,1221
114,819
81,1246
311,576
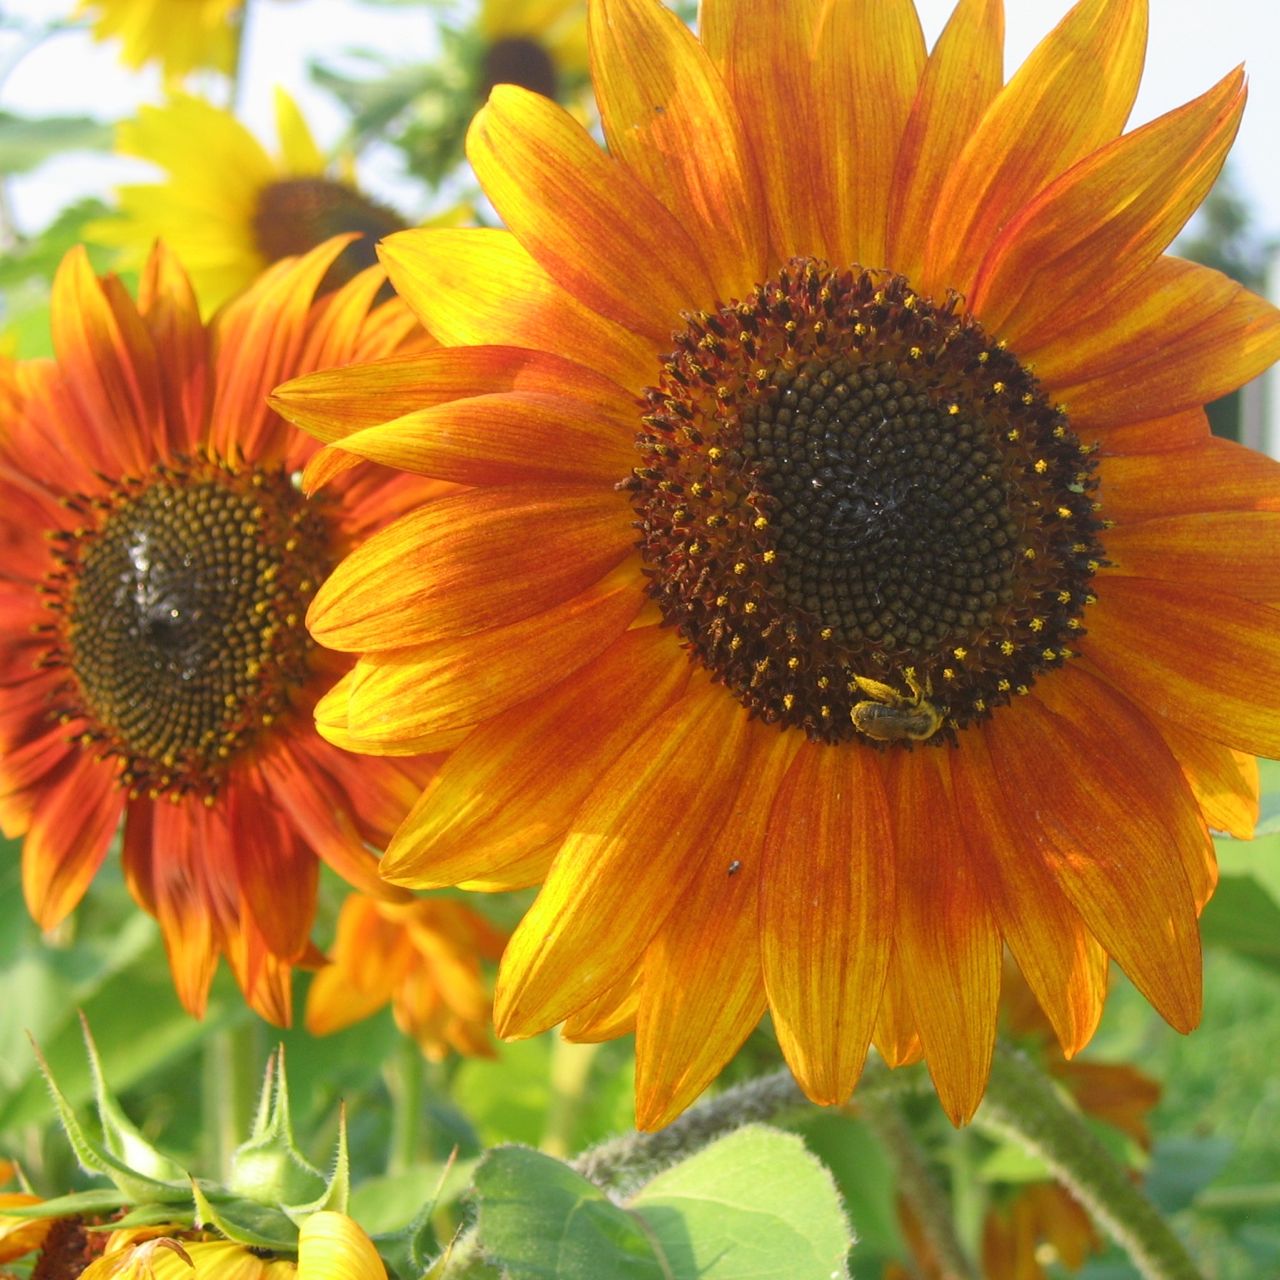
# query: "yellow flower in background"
19,1236
156,562
183,37
423,957
848,585
331,1246
537,44
228,208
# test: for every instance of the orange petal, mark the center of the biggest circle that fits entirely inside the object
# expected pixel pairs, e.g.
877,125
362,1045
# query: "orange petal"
896,1037
1224,782
479,286
1064,757
335,403
767,58
320,812
1218,475
610,1015
1062,962
1071,96
171,313
1233,551
414,694
1123,205
946,935
1187,429
634,848
1199,657
260,338
1185,335
703,990
869,61
511,438
583,217
278,874
668,116
473,561
71,828
109,362
964,73
494,799
333,726
827,914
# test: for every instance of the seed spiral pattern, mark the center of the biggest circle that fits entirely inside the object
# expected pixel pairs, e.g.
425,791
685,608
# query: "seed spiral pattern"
843,482
181,601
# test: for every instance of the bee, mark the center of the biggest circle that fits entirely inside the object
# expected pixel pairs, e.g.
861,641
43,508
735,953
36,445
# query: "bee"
889,716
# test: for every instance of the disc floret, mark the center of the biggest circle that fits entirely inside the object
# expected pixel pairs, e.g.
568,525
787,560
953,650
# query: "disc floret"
843,482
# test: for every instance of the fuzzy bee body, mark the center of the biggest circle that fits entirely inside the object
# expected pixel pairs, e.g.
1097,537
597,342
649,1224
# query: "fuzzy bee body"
889,716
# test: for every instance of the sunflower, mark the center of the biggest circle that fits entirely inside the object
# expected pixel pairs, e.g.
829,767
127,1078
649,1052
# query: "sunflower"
329,1244
228,208
848,585
423,957
156,562
539,44
203,33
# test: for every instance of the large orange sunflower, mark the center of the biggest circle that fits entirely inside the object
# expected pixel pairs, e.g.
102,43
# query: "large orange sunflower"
849,584
156,563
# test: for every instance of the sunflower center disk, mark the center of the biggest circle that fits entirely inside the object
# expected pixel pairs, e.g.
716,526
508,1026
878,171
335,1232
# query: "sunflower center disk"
294,215
518,60
860,512
183,613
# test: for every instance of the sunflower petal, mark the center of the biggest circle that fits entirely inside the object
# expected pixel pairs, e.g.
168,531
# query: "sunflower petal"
494,799
827,915
1104,833
1197,656
1071,96
1123,205
703,989
582,215
331,1246
473,561
667,115
1224,782
945,933
479,286
634,847
964,73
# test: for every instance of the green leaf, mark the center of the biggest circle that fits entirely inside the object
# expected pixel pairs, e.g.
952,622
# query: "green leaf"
756,1203
257,1226
1181,1166
91,1204
26,141
539,1220
1245,918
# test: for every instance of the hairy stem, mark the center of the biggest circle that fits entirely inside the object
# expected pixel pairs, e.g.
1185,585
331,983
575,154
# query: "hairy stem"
1022,1103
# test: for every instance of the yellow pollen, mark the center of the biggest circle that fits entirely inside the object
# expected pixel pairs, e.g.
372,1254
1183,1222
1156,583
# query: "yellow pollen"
915,353
1013,436
1028,398
749,607
1041,466
998,388
769,556
824,682
960,653
1007,648
793,664
948,673
760,522
953,409
1064,597
1036,624
984,356
1048,654
1029,553
788,701
1064,513
715,453
736,643
740,568
1002,685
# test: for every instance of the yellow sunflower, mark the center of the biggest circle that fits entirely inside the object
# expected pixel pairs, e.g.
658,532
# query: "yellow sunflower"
330,1245
228,208
423,958
156,563
848,585
538,44
182,39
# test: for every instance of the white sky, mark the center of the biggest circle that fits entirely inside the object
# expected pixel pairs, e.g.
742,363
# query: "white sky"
1193,43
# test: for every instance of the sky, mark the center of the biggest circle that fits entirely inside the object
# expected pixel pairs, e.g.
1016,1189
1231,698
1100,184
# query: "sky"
1193,43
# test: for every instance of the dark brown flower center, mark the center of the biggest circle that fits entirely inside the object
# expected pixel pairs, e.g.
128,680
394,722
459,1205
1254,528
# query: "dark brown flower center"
860,512
518,60
182,600
296,214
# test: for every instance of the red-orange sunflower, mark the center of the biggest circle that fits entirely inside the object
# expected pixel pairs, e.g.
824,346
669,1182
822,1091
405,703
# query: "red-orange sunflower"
848,584
156,563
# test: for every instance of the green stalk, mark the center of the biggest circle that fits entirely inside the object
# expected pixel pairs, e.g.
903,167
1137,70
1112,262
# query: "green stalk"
570,1070
882,1115
231,1069
1022,1103
405,1083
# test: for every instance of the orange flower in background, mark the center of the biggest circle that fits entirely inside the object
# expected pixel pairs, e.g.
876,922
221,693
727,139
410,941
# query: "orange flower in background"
849,584
423,957
156,563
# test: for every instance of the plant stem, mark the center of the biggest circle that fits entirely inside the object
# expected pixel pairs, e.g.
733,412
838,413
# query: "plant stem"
405,1084
230,1074
1022,1103
570,1069
884,1118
